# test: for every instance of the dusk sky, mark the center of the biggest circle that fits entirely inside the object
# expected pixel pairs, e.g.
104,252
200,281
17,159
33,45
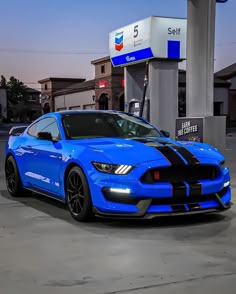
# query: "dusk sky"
59,38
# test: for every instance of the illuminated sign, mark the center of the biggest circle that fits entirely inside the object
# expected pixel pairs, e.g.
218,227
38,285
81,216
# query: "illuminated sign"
153,37
102,84
189,129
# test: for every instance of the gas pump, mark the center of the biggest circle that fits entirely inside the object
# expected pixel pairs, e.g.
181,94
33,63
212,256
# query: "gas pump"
144,90
135,107
141,107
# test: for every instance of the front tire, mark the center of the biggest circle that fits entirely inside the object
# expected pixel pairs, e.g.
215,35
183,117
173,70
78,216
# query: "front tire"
78,195
13,180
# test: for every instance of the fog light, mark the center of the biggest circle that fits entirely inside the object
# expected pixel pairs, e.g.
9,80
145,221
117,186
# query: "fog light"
120,190
226,184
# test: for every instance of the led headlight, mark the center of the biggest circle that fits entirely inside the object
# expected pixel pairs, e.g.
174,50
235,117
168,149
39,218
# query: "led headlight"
118,169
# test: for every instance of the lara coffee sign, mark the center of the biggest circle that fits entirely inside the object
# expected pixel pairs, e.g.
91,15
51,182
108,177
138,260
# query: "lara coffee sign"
189,129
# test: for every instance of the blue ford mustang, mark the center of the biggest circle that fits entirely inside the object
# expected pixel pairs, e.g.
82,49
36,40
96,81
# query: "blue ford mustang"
114,164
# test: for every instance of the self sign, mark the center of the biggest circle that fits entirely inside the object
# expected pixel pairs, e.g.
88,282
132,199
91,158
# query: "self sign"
175,32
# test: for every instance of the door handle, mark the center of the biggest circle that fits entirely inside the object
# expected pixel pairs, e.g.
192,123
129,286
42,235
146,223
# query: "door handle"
29,146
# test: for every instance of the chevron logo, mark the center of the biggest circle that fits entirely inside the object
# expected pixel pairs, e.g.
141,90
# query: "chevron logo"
119,41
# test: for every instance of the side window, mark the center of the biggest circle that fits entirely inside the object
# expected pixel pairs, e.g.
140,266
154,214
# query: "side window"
45,125
53,129
32,130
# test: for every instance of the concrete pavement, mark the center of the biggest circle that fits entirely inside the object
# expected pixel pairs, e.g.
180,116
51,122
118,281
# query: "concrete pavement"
42,250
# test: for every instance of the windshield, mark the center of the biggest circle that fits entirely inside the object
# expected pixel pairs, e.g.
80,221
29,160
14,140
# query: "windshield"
95,125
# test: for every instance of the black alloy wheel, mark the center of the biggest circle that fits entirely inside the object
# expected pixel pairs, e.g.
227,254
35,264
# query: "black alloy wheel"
13,181
78,195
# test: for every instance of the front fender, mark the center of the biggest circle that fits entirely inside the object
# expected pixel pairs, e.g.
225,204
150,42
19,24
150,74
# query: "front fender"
83,157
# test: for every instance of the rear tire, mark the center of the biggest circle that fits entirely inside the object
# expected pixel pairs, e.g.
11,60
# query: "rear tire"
13,180
78,195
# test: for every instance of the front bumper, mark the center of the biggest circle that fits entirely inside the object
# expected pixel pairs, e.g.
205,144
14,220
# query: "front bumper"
159,199
148,208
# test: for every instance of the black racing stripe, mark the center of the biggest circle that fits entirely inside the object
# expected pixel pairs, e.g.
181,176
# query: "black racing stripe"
187,155
171,155
195,189
179,190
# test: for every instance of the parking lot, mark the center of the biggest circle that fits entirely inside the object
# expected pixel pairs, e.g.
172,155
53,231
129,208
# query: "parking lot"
43,250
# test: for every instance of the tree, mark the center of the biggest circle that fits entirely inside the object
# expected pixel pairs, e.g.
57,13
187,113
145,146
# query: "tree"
3,82
16,91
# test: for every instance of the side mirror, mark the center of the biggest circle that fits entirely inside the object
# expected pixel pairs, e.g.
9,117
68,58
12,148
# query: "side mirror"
165,133
44,136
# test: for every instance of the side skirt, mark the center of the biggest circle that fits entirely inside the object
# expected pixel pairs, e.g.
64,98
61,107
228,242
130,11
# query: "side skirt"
47,194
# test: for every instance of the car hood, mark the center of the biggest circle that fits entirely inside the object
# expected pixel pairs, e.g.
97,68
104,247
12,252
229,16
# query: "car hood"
139,150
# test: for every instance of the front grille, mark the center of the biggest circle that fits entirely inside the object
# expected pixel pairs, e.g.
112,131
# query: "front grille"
183,200
177,174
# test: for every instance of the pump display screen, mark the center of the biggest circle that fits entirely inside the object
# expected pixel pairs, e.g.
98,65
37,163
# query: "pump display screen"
134,107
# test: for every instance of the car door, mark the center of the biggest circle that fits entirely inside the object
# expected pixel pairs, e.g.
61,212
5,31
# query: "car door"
44,157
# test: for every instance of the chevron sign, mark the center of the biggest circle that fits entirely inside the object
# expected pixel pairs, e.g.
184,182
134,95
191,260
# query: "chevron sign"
119,41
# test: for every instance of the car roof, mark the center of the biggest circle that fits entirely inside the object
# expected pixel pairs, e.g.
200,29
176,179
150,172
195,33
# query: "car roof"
60,114
66,112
